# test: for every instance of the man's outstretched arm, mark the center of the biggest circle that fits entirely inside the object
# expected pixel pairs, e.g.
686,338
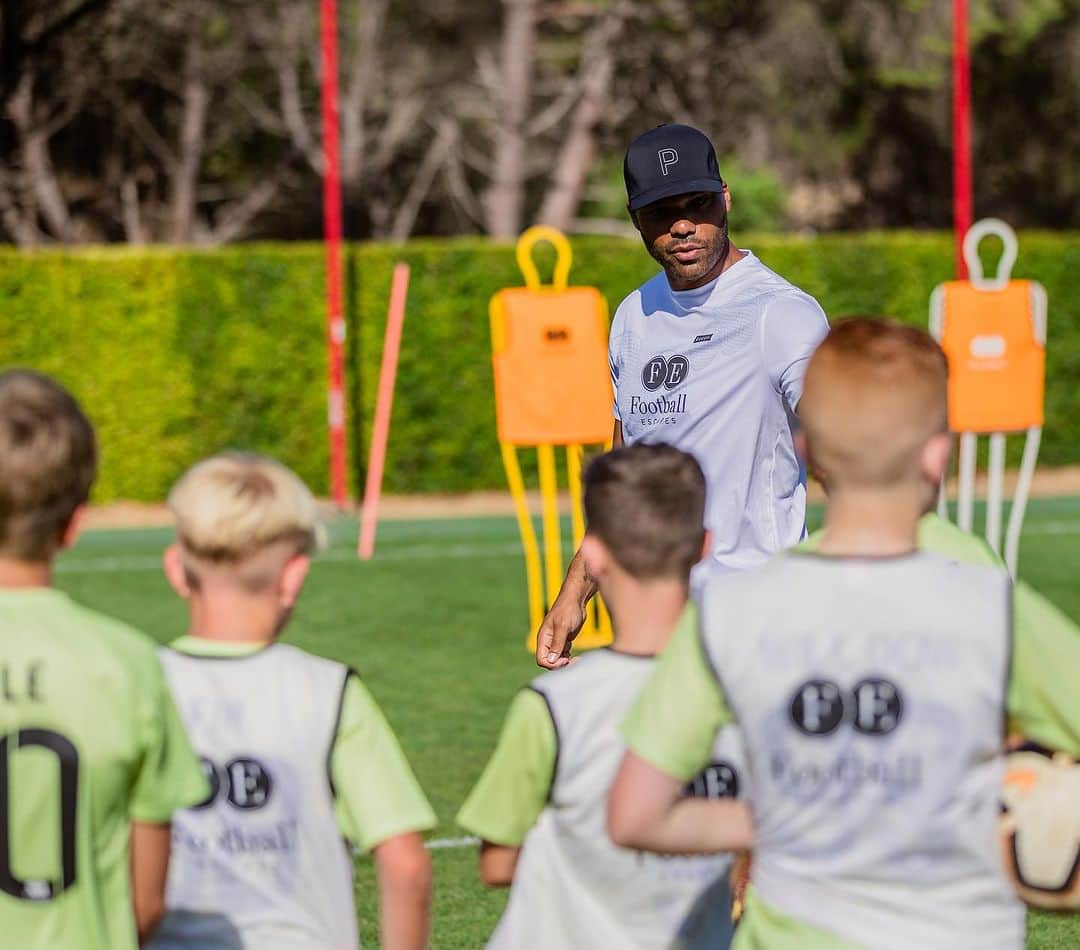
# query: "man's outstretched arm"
567,614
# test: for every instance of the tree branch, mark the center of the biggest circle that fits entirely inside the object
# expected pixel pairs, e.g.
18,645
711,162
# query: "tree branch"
422,181
235,217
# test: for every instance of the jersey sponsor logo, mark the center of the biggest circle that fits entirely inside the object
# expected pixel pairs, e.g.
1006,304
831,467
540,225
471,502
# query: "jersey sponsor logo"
661,409
848,771
668,157
817,708
245,783
716,780
873,707
557,334
666,371
703,338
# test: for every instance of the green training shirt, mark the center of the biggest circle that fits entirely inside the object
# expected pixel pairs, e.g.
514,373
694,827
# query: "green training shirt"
513,788
376,794
91,742
675,719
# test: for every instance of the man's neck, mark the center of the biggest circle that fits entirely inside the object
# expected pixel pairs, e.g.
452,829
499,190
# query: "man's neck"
873,523
233,618
23,574
644,613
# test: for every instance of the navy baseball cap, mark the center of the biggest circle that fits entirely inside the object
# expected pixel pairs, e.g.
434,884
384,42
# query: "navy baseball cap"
669,160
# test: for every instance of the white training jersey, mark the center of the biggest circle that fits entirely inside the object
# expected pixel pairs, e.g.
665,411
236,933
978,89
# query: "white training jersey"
717,372
572,887
262,864
871,697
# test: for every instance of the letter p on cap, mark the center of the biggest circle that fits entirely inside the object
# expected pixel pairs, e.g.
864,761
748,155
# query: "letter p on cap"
668,157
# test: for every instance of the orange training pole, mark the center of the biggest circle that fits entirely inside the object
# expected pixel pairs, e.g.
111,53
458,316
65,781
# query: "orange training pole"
380,432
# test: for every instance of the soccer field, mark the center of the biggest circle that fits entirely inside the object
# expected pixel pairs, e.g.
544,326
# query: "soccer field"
436,625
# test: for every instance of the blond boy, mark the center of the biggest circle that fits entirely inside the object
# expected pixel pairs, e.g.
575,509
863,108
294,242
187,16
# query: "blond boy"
298,754
539,806
93,757
870,681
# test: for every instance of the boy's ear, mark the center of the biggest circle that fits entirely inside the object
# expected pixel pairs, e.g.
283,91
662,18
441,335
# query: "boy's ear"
727,197
597,556
173,563
633,216
293,575
935,457
73,529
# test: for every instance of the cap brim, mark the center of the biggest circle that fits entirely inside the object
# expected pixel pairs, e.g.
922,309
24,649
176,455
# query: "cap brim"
675,188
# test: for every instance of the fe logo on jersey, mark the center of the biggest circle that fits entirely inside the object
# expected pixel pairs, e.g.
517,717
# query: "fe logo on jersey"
873,707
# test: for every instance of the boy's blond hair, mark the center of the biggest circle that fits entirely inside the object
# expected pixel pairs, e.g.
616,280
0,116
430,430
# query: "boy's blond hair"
48,460
245,514
875,392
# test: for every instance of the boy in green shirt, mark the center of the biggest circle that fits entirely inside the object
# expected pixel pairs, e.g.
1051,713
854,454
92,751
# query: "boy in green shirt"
299,754
539,805
870,684
93,757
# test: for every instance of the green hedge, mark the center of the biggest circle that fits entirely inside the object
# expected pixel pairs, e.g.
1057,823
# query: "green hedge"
177,353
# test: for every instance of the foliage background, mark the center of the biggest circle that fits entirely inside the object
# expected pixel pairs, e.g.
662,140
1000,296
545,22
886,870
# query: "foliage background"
178,353
198,121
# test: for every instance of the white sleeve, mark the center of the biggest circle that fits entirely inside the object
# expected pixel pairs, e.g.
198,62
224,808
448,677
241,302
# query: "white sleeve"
615,361
791,330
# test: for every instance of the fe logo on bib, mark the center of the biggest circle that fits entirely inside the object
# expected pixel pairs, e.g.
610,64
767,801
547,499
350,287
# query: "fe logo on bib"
245,782
874,707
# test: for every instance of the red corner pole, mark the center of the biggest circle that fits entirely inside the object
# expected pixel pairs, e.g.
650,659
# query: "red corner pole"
962,190
335,323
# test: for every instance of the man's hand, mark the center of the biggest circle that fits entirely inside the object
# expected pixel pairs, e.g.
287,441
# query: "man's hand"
556,636
568,613
566,617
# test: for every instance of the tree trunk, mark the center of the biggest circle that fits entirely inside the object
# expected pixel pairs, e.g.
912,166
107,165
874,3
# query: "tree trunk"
364,69
36,161
130,211
563,198
505,199
185,174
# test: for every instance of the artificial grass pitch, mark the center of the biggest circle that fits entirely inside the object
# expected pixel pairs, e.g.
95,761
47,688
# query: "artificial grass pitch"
435,625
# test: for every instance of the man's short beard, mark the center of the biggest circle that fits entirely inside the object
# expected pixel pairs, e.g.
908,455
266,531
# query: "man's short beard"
684,272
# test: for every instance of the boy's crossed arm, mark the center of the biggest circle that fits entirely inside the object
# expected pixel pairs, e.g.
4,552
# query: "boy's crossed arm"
670,731
647,810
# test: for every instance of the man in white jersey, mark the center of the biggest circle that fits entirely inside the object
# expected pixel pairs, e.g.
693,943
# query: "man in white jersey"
298,754
707,356
539,806
871,682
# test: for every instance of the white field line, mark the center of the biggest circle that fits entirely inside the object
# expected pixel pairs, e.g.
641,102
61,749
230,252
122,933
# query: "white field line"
424,552
445,844
436,844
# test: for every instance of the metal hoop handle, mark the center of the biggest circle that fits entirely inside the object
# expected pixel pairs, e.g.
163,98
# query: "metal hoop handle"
564,256
978,231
